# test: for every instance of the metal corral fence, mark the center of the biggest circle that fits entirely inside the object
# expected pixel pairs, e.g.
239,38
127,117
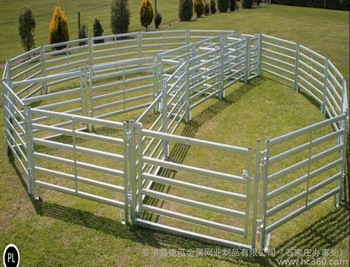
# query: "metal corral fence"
97,119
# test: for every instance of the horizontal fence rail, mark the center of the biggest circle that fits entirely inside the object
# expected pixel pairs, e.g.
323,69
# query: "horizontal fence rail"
63,103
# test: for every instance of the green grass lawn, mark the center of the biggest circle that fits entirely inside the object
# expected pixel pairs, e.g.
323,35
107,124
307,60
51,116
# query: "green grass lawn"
89,10
64,230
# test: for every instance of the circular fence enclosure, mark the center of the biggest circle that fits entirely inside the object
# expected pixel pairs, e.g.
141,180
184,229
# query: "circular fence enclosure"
68,122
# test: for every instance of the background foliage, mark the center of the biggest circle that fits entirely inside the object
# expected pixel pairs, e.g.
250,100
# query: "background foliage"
329,4
58,30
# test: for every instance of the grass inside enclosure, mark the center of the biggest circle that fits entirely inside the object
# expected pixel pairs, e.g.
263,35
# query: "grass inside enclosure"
239,119
65,230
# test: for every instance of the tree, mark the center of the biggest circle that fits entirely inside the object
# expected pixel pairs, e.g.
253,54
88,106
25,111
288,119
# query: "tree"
185,10
58,31
212,6
146,13
120,16
198,7
26,27
157,20
233,5
223,5
247,3
98,30
206,9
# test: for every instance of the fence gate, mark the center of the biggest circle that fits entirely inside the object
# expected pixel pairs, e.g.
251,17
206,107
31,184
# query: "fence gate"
172,195
300,170
65,157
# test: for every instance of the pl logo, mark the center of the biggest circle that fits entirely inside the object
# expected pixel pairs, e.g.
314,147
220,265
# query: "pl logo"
11,256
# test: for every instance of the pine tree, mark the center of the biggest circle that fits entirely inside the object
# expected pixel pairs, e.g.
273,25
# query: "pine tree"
223,5
247,3
198,7
212,6
26,27
120,16
185,10
98,30
157,20
58,31
233,5
146,13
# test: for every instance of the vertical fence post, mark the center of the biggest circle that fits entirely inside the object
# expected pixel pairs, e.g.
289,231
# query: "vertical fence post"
344,99
83,91
247,66
248,177
296,71
126,153
132,170
325,83
188,37
30,151
7,119
264,244
89,83
259,55
222,67
134,155
91,53
165,117
187,94
139,44
43,70
157,74
139,185
342,140
256,193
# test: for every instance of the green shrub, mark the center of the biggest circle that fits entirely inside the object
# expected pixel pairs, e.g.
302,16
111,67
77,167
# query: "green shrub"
223,5
98,31
198,7
185,10
206,9
157,20
58,30
26,27
120,16
329,4
247,3
233,5
212,6
146,13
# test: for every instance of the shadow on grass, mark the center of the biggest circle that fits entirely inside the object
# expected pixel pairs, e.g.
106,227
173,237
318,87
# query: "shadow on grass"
319,237
322,235
18,172
157,240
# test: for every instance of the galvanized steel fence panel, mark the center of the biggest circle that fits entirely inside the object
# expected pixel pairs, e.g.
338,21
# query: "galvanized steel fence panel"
199,197
71,160
300,170
165,75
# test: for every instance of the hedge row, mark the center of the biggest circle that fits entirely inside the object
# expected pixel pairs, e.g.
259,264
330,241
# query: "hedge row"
329,4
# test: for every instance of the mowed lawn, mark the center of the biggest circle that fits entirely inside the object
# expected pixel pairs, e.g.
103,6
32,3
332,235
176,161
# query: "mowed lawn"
67,231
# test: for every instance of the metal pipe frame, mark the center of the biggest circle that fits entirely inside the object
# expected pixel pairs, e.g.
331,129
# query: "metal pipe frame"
187,68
